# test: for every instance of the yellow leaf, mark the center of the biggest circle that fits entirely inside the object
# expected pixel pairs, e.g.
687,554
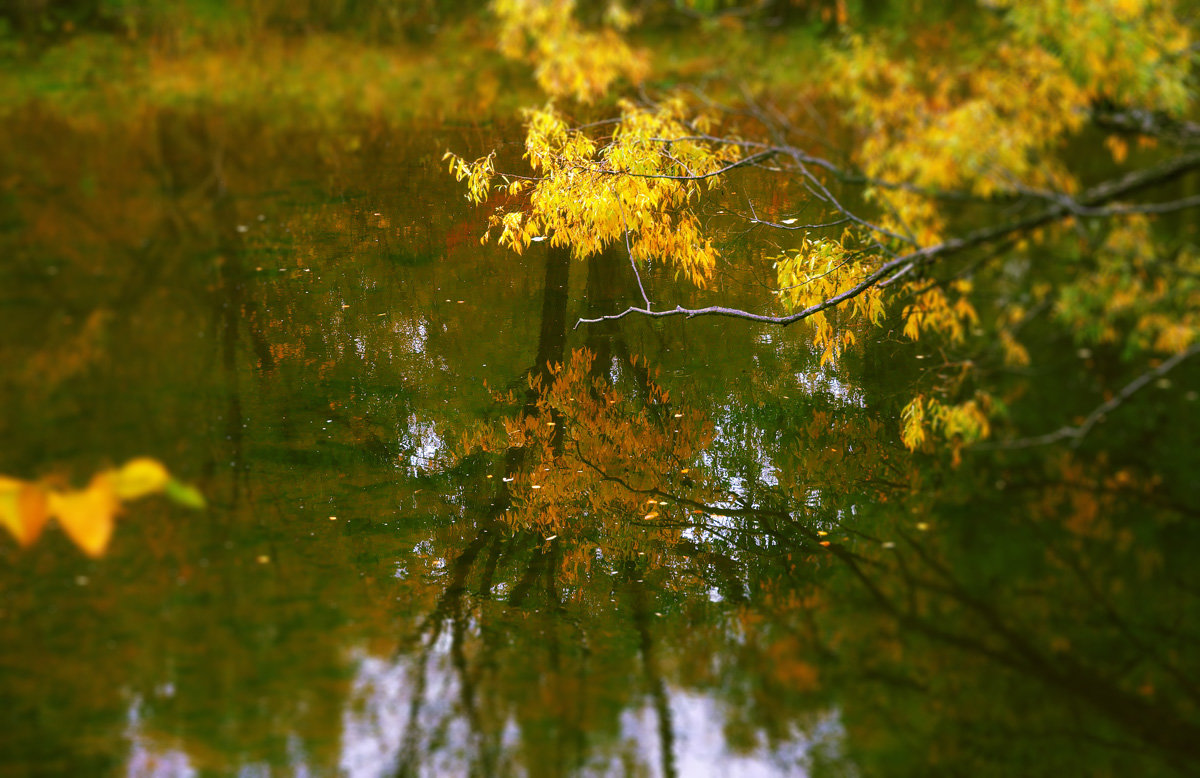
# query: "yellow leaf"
138,478
87,516
22,509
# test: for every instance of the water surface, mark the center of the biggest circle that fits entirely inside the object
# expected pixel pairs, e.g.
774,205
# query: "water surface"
693,550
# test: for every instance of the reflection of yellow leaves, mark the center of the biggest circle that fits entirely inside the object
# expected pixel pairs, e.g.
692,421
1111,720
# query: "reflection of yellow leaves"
87,516
22,509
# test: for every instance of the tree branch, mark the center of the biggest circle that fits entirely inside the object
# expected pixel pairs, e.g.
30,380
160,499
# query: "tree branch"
1080,431
1096,196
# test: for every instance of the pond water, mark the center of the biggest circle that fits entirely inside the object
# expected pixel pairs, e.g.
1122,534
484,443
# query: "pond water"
690,550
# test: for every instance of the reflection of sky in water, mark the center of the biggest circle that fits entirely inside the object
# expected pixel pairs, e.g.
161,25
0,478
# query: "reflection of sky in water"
734,437
422,445
698,724
386,724
151,759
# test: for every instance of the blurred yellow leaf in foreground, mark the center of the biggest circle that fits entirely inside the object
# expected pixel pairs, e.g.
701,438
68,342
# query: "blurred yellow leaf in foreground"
87,515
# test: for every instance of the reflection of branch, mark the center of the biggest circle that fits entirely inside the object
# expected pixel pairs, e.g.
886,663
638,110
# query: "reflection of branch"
1077,433
1074,561
1152,722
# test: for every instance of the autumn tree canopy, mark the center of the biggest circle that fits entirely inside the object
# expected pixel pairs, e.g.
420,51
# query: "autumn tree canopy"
965,179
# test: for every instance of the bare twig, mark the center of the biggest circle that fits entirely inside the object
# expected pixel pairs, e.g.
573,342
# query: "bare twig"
629,251
1078,432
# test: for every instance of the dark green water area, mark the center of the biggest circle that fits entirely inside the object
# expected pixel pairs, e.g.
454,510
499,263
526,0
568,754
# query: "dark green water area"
692,551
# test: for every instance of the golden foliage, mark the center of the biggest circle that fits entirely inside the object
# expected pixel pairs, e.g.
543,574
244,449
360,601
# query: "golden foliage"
588,195
582,433
86,515
568,59
1134,51
817,271
960,424
934,310
987,115
984,127
1137,291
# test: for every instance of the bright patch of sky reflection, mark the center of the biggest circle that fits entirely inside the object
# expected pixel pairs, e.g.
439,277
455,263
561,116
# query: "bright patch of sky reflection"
698,725
422,443
149,758
397,721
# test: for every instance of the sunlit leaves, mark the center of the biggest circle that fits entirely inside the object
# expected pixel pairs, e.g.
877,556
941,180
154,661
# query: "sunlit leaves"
87,515
988,128
23,509
959,424
822,269
477,174
934,310
1134,51
589,193
569,61
913,423
1140,294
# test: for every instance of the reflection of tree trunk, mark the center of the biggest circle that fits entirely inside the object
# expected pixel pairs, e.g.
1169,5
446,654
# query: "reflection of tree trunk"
601,296
537,564
453,610
654,680
610,283
552,338
191,163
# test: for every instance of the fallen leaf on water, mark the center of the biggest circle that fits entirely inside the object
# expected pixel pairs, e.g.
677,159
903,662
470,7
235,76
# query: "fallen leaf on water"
87,516
23,509
138,478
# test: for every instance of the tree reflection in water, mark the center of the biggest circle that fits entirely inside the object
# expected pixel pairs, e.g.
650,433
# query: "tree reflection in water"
849,614
734,568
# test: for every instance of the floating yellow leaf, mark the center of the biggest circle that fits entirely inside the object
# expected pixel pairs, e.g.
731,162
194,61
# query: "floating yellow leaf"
22,509
138,478
87,516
